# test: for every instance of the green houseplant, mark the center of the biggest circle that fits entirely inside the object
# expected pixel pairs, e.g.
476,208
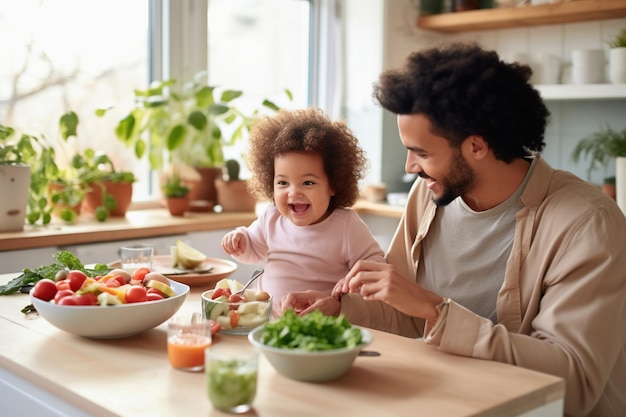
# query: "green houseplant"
600,148
176,193
48,189
191,125
106,191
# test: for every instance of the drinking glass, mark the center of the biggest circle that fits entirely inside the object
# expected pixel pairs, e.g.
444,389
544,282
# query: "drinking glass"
188,336
231,372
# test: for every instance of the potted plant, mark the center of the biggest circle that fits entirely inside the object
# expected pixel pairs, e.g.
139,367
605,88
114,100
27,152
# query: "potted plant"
617,58
601,147
107,191
14,178
176,194
48,191
190,126
232,192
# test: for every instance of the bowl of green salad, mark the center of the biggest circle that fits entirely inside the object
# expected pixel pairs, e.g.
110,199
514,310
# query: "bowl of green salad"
310,348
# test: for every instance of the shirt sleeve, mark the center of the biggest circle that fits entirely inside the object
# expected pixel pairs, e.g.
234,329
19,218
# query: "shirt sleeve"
360,242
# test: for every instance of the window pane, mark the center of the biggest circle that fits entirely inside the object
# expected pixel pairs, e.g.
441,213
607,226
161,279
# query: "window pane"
74,55
261,48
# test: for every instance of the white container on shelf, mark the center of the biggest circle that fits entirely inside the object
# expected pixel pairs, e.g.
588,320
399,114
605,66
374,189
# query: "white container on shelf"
588,66
617,65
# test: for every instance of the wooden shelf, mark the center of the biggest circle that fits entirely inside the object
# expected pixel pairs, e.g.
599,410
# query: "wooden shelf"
582,92
509,17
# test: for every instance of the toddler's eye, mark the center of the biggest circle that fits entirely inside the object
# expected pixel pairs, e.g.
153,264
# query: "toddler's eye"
309,183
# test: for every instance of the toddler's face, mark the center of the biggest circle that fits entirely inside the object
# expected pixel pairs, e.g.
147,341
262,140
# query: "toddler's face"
301,189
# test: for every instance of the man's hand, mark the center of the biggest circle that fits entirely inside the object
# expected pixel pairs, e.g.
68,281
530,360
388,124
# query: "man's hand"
305,302
383,282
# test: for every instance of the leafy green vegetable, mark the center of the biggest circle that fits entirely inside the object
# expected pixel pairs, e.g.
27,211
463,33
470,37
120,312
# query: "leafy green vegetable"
312,332
65,260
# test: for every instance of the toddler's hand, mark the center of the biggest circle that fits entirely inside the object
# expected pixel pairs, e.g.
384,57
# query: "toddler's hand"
234,243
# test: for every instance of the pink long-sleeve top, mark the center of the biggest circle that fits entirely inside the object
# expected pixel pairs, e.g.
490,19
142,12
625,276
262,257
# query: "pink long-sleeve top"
311,257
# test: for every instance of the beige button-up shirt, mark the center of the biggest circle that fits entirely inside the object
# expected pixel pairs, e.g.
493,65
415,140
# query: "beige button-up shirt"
562,307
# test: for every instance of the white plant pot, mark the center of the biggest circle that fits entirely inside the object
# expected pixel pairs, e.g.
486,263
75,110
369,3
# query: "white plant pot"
620,183
14,188
617,65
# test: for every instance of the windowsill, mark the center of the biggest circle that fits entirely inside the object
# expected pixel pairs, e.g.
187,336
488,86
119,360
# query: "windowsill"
142,223
147,219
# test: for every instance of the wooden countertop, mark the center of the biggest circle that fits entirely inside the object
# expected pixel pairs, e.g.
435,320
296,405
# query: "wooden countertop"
132,376
144,223
136,224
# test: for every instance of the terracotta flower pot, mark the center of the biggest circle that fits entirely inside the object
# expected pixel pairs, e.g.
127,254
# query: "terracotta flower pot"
121,191
204,195
234,196
178,206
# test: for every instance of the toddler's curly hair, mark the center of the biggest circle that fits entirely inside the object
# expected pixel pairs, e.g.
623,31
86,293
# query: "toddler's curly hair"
306,131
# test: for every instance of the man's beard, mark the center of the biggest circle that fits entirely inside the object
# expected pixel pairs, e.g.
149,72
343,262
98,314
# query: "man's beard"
457,183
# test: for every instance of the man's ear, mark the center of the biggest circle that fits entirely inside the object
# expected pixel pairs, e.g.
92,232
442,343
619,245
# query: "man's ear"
476,146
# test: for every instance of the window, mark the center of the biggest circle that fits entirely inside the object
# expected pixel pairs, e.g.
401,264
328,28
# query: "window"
261,48
72,55
97,54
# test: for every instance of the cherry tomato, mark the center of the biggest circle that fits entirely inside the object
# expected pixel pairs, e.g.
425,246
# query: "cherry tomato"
76,279
70,300
155,291
140,273
136,294
62,294
87,299
236,298
154,296
219,292
45,289
115,282
63,285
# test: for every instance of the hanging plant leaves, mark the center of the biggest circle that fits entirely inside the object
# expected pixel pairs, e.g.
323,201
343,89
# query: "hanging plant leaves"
68,124
198,120
229,95
176,137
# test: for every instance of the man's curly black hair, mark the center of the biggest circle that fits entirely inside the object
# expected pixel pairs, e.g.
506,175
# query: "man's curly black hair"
465,90
306,131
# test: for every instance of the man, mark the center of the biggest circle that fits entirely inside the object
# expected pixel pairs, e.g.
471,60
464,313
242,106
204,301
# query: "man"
497,256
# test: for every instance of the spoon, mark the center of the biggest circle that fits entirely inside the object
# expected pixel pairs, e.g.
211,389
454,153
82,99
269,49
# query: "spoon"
253,278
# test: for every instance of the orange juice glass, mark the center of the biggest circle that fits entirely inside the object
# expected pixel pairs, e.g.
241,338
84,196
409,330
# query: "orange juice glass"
187,338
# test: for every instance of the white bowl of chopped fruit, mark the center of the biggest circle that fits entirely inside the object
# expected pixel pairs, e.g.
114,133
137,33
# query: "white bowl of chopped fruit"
118,304
236,313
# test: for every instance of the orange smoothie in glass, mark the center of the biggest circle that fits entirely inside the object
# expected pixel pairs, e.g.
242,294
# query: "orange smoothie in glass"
186,350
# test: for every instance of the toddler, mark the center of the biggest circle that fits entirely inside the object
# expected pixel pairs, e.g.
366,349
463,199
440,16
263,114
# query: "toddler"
309,238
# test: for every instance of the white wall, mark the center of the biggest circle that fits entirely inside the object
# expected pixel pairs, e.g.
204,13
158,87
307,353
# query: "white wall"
395,22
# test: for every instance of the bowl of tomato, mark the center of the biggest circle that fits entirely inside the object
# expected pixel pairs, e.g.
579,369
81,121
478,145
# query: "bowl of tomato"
109,307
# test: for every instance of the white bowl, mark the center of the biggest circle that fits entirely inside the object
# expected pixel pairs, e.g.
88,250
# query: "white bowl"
251,314
306,366
111,322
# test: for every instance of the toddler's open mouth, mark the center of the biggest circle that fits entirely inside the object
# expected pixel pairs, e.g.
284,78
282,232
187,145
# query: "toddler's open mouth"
298,208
